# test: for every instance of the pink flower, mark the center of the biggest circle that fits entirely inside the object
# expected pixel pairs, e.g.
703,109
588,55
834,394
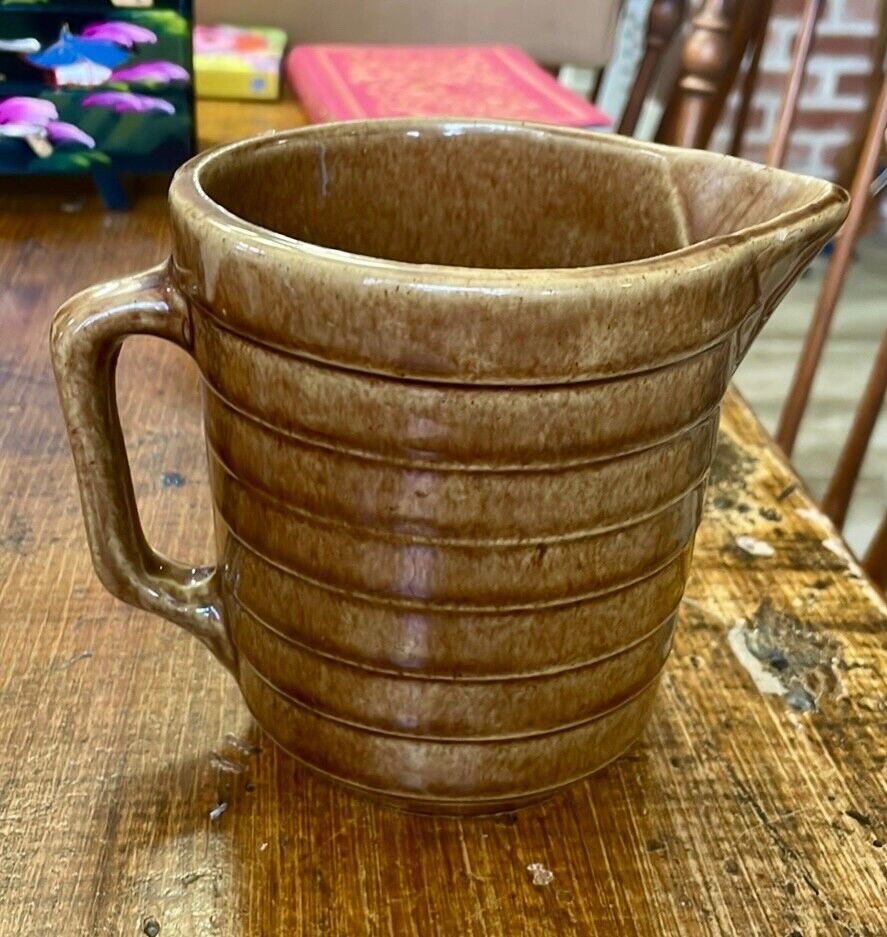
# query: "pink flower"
27,111
122,102
59,131
119,32
36,119
162,72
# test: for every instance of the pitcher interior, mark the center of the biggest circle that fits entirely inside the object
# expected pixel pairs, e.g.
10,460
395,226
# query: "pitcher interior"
494,195
459,195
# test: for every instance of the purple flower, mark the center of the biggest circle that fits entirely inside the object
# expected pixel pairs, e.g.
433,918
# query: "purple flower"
122,102
36,120
123,34
60,132
32,111
162,72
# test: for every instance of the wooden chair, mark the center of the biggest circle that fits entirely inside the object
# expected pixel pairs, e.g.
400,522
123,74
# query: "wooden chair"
840,489
797,71
720,35
843,482
665,19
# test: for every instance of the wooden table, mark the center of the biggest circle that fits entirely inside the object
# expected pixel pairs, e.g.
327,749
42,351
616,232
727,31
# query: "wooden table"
740,813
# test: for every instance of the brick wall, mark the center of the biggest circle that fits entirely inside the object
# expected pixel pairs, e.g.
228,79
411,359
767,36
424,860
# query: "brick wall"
832,99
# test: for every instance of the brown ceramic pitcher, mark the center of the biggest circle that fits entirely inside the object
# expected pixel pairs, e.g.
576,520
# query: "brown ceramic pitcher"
461,385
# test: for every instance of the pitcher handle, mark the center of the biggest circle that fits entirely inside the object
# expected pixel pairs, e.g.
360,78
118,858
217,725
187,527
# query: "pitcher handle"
87,334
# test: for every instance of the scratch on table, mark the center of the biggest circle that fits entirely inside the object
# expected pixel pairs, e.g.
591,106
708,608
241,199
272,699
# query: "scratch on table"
221,763
244,746
18,536
64,665
863,819
781,818
791,855
704,609
345,828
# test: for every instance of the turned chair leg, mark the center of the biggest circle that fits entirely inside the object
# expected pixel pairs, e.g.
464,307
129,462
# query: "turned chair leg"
712,53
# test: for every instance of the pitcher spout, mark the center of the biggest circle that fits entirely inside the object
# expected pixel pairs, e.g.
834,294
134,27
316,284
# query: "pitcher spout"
764,226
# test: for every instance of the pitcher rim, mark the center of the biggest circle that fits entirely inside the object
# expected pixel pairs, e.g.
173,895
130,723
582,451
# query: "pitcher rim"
186,189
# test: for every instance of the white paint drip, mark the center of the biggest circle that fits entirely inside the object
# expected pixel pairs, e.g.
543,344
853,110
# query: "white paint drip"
812,514
755,547
836,545
766,681
218,810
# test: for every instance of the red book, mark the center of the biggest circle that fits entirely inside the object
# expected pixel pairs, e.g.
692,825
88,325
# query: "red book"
348,82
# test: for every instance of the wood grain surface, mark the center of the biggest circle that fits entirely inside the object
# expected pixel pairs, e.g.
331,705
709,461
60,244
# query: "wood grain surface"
743,812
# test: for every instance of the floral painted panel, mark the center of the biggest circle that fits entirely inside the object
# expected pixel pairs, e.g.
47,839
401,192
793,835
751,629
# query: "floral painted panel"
87,88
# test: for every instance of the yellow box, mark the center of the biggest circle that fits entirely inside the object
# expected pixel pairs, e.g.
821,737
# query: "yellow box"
238,61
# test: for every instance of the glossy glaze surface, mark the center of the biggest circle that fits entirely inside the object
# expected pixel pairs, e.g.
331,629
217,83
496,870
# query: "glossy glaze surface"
461,385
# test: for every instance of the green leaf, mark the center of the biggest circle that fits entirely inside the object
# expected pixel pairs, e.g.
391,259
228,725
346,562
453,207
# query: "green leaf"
168,22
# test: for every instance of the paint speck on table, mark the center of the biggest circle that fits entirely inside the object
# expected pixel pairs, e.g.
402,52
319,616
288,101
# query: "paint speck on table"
218,810
539,875
755,547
